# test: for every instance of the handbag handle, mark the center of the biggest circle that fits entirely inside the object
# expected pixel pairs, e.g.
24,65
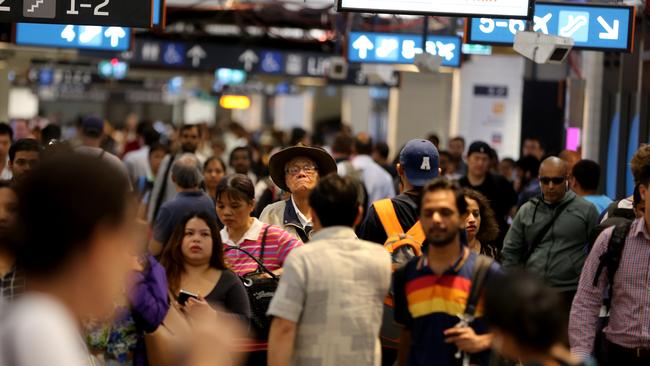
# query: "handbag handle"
260,265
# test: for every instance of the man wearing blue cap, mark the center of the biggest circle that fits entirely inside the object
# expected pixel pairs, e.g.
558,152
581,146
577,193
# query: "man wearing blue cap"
418,165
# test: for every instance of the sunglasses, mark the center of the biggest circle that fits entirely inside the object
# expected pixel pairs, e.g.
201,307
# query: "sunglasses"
555,180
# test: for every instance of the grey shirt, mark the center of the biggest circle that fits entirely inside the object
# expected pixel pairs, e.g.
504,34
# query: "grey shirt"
334,289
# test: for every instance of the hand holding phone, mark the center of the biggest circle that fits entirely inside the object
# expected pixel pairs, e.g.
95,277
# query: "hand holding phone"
183,296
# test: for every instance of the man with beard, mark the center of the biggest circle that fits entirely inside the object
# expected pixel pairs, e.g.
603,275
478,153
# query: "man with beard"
164,188
431,291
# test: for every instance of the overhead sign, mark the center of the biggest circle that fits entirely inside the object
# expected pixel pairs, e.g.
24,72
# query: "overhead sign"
137,13
391,48
210,56
597,27
200,56
73,36
493,8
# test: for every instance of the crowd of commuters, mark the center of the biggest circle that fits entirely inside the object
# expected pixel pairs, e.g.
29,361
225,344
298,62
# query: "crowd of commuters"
198,247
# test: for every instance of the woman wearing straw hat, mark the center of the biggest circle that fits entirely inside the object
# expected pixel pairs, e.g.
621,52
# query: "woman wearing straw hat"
296,170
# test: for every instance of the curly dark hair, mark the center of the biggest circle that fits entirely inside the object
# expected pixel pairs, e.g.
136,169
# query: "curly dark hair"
489,230
640,165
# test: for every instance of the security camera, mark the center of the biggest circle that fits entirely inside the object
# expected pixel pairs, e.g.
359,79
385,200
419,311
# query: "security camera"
337,68
426,62
543,48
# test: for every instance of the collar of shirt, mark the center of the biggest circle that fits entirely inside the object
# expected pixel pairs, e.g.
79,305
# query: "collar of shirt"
252,234
303,219
423,263
639,228
335,232
196,193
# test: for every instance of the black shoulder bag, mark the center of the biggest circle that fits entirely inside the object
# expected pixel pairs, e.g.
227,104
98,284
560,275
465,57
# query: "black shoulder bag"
530,249
260,289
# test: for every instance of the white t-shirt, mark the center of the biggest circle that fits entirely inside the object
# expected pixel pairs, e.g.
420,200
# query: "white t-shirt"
38,330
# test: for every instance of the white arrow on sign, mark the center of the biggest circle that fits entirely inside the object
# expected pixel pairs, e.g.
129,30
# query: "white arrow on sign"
196,53
68,33
115,34
363,45
249,58
611,32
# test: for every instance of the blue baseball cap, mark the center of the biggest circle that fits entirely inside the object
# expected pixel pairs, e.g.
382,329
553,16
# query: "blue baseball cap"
92,126
420,161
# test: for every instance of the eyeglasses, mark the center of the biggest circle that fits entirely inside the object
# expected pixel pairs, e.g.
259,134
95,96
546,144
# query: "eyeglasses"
555,180
308,169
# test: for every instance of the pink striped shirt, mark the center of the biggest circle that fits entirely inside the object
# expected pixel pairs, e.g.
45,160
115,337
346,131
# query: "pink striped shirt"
629,324
278,245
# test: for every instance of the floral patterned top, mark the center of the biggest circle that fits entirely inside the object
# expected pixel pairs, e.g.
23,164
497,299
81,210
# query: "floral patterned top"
113,343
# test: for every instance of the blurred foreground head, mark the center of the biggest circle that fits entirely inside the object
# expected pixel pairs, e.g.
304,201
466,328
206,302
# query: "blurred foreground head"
75,230
526,316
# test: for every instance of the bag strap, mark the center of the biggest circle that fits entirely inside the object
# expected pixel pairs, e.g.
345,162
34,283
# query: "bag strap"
163,187
388,217
417,232
266,231
259,264
541,234
611,259
479,275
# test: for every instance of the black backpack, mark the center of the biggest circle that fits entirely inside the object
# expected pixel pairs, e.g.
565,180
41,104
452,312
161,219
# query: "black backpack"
611,259
615,216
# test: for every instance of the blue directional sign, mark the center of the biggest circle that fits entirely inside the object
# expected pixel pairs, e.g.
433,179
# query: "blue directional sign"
391,48
271,62
591,26
73,36
173,54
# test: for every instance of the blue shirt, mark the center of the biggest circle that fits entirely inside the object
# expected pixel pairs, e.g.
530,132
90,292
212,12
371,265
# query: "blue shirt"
601,202
427,304
172,212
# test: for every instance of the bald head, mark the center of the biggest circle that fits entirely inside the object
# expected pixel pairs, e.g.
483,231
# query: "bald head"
553,177
554,163
571,158
186,172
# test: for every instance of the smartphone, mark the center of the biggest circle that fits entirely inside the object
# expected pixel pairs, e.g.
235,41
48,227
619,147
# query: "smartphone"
183,296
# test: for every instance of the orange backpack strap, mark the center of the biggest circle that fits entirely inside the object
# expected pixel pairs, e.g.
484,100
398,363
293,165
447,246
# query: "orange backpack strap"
417,233
388,217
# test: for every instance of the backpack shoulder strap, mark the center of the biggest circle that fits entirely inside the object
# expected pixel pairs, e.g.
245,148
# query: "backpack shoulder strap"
388,217
416,232
479,275
611,259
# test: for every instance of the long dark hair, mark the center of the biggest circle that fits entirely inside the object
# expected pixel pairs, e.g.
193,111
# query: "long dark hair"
172,257
489,230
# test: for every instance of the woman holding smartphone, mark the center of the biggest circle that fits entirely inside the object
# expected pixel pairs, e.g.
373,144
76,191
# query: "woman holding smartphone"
193,259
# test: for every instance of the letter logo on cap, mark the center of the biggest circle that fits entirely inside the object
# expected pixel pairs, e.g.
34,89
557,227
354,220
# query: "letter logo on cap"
426,164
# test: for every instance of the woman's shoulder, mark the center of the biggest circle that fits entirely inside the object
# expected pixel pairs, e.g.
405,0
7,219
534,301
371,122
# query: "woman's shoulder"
228,275
277,233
